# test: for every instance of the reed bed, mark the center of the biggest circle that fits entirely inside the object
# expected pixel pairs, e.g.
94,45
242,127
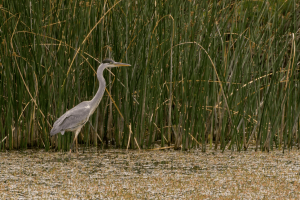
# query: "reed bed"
220,74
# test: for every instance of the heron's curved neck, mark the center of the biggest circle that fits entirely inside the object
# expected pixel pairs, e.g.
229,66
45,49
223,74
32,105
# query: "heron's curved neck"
102,84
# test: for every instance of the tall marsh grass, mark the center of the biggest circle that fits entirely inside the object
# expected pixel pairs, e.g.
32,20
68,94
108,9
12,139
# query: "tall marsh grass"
223,72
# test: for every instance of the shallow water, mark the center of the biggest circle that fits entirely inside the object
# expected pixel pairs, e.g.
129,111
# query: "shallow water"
164,174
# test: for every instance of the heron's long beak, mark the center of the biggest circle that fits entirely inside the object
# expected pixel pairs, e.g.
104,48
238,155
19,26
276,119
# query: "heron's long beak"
118,64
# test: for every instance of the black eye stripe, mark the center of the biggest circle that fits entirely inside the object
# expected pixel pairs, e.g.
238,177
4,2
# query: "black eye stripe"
107,60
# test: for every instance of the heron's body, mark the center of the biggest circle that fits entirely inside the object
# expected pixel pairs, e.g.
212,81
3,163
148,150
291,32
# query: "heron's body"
74,119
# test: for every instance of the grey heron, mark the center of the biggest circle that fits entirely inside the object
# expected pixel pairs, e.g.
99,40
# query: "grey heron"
74,119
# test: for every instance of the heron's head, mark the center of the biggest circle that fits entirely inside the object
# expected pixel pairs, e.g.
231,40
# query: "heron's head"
111,63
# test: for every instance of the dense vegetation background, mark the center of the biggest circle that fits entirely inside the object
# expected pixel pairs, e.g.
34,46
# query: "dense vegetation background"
223,72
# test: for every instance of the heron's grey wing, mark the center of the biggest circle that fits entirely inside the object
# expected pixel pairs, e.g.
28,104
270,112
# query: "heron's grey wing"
72,119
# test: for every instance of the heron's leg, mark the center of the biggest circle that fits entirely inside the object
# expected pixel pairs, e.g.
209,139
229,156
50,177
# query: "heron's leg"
77,145
76,134
73,143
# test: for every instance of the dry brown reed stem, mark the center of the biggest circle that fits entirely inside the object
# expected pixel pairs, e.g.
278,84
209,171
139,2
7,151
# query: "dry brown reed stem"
3,139
194,139
129,137
161,148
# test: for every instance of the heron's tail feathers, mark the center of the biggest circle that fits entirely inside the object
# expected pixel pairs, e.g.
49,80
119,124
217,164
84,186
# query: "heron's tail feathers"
55,131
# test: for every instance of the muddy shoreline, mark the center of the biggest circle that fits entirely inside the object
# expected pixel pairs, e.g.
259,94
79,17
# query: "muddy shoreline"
136,174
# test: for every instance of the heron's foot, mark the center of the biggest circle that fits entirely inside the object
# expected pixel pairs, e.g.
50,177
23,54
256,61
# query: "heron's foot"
70,153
